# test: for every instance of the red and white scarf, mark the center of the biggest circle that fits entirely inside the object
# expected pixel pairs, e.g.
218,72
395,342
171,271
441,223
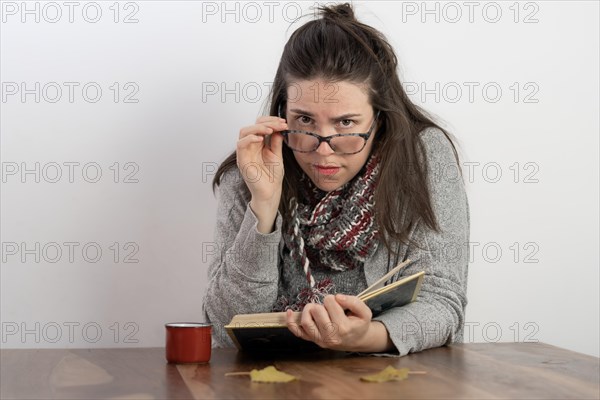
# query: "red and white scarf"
330,230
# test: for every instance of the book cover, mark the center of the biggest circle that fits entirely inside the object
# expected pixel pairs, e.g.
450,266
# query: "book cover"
395,294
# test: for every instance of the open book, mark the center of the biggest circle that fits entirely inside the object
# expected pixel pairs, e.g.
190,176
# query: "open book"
269,331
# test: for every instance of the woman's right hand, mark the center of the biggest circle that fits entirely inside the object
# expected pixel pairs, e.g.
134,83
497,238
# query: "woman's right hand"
260,162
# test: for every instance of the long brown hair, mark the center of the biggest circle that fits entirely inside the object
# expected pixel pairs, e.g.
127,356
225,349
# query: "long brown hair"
337,47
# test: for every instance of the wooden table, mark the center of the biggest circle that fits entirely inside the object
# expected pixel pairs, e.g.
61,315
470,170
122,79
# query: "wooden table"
481,371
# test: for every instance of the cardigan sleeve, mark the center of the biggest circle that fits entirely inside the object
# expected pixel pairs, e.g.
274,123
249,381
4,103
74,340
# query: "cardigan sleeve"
437,316
243,272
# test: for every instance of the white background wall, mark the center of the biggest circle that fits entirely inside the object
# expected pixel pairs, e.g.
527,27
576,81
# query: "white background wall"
189,75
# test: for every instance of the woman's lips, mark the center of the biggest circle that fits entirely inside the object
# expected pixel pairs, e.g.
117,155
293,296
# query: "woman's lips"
326,169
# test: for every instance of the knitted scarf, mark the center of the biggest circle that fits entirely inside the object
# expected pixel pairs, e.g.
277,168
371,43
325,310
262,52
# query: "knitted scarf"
329,230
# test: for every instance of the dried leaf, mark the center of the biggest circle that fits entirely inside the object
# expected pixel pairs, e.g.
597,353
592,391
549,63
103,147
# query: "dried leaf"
270,375
389,373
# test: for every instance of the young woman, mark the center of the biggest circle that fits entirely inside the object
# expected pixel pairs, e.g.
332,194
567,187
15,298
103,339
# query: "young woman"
334,188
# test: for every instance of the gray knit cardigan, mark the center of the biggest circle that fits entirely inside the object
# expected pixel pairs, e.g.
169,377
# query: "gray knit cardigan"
244,276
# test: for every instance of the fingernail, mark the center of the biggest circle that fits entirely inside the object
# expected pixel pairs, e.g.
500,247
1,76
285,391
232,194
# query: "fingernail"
341,297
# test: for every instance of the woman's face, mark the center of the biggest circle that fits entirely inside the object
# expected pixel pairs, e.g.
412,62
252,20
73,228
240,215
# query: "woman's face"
326,109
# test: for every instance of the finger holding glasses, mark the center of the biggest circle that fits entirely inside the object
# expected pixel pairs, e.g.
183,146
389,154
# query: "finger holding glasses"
260,161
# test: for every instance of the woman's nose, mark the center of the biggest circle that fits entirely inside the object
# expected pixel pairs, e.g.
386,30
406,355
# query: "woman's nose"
324,149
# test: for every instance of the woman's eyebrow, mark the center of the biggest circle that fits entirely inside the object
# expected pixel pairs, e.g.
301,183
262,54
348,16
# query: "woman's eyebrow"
303,112
309,114
346,116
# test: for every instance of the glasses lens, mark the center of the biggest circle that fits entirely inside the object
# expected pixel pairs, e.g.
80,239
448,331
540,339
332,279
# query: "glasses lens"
347,144
300,141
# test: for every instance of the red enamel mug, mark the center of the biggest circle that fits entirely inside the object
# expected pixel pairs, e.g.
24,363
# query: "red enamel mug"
188,342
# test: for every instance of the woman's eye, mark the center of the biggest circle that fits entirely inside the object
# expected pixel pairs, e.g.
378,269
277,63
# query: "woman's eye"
304,119
346,123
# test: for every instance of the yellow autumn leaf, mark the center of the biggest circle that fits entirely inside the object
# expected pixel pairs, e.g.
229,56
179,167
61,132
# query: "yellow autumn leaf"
389,373
270,374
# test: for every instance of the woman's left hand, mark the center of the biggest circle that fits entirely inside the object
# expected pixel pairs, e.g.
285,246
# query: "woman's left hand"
330,327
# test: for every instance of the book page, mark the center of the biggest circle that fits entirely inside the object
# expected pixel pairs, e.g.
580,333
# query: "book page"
381,281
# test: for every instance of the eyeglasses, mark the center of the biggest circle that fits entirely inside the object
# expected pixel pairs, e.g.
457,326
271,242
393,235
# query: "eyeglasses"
341,143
